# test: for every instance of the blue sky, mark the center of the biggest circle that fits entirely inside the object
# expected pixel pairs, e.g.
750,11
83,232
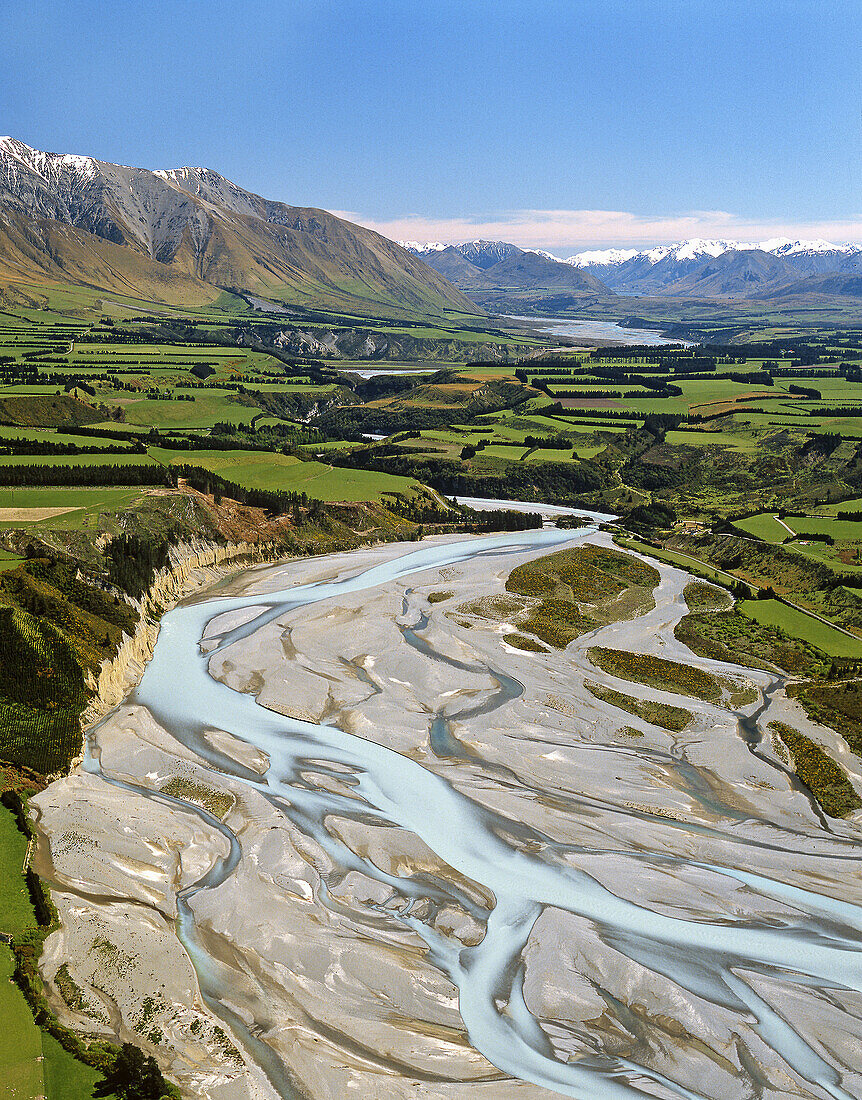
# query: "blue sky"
560,124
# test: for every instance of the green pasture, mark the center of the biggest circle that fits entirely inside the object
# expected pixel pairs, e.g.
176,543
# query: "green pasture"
269,422
547,454
842,530
512,453
290,387
51,435
33,1065
263,470
764,526
16,909
828,555
842,506
800,625
65,1077
208,408
131,459
30,391
833,389
846,533
84,504
699,437
452,438
21,1066
331,445
9,560
699,390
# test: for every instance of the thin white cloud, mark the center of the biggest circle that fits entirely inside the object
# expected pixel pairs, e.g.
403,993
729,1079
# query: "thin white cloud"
580,229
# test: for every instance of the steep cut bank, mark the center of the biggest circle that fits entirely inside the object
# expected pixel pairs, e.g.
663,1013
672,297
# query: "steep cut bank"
194,566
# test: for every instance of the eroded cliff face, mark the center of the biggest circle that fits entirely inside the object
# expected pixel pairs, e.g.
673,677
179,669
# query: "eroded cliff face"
195,566
358,343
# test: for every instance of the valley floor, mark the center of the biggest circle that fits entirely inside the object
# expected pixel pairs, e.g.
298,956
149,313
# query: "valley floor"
369,847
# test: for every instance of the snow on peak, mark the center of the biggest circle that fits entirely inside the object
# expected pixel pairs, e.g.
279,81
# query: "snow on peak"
698,248
422,248
24,154
83,165
603,257
692,249
784,246
44,164
547,255
15,147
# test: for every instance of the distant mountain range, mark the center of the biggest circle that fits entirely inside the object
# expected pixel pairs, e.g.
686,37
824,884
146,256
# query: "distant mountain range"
717,269
185,235
701,269
503,277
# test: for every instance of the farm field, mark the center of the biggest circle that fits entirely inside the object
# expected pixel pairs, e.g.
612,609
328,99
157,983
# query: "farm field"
65,1077
208,408
16,909
839,529
131,459
765,526
711,432
32,1063
9,560
799,625
737,441
72,508
851,505
288,474
21,1068
50,435
836,543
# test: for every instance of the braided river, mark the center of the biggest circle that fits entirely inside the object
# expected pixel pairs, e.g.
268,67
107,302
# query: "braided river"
344,839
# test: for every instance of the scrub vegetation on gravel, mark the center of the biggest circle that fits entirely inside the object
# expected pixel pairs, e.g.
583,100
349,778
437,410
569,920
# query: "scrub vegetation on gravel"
556,622
439,597
668,717
730,636
700,596
656,672
837,705
218,803
522,641
818,771
577,590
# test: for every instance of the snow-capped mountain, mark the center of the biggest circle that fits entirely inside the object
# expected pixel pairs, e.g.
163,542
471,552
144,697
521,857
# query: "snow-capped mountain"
419,249
502,277
185,234
482,254
707,268
695,268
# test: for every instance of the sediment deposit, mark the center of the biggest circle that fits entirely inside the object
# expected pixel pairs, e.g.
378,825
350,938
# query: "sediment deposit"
346,840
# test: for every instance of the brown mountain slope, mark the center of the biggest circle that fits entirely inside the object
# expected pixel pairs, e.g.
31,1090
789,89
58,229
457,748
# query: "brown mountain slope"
182,236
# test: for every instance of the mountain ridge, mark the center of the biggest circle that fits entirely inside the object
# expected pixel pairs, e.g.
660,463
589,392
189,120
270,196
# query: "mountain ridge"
689,267
190,233
692,268
502,276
